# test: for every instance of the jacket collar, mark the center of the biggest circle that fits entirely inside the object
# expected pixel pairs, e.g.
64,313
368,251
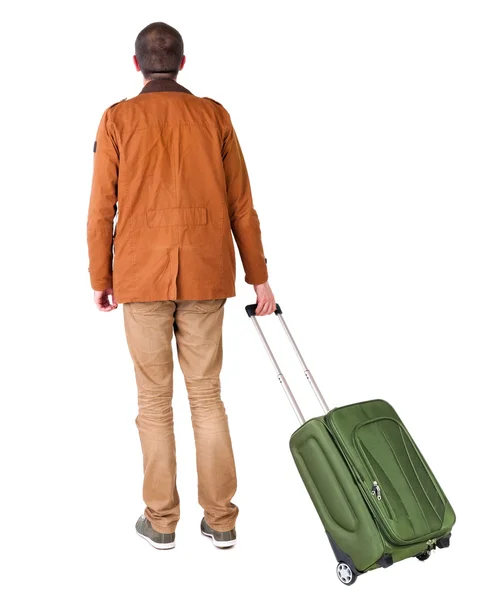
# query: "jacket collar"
164,85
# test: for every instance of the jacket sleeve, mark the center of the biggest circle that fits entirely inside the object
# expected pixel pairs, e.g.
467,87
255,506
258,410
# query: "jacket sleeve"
243,216
103,205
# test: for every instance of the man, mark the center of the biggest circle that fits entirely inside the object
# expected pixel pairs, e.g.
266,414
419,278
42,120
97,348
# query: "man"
169,169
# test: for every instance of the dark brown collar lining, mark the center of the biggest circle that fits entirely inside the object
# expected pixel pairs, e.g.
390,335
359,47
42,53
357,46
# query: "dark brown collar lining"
164,85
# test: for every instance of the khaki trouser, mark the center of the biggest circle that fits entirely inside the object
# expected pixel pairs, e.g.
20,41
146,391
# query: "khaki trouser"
198,331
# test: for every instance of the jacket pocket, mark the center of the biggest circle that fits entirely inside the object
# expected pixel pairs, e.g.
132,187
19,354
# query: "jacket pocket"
175,217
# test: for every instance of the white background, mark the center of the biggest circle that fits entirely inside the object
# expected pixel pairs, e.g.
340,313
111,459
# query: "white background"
360,125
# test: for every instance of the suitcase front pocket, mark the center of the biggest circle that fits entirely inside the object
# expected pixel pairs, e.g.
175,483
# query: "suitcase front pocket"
403,494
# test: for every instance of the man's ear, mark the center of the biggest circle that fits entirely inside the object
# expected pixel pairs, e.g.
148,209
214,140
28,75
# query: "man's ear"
182,64
135,62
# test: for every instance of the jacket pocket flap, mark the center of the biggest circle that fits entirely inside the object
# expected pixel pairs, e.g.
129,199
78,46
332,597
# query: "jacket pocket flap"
174,217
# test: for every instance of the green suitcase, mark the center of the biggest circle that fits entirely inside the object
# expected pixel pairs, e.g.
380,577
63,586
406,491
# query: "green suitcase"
378,500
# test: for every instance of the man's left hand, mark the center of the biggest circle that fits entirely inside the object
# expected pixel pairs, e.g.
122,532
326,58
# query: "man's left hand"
102,300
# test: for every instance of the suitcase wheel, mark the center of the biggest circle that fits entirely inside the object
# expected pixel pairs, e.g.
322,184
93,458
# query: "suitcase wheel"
345,574
424,555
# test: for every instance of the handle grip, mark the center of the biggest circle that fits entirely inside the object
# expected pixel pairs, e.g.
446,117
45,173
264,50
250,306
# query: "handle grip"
251,308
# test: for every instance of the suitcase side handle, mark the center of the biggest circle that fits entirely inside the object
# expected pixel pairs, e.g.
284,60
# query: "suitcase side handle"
250,309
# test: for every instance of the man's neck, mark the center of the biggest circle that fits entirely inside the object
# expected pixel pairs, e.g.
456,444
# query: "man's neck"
161,78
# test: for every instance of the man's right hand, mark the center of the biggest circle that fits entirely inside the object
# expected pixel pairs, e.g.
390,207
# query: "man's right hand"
265,299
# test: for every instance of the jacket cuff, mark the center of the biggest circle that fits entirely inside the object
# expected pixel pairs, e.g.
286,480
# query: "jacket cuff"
257,276
99,285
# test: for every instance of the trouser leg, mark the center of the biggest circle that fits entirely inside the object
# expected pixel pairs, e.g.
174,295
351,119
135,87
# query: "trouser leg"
198,331
149,329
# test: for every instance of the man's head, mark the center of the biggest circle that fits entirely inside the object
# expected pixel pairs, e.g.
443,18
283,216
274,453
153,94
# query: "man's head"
159,52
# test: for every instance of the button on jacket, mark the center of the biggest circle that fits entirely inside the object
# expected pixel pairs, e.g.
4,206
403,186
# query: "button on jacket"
170,186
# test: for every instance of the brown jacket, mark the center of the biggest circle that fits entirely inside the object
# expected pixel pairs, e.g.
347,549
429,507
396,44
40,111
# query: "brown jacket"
169,168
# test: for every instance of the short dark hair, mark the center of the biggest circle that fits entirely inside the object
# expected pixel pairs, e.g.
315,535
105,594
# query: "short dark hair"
159,49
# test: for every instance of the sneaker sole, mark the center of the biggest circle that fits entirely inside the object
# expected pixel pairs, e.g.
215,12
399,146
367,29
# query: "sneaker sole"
228,544
156,545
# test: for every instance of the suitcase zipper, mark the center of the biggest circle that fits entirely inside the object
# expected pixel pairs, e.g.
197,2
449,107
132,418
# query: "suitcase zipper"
376,490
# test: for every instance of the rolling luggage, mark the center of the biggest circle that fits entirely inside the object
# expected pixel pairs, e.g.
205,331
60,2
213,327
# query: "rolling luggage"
378,500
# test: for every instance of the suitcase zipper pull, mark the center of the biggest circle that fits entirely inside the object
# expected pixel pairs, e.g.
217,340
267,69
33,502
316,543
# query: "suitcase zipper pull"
376,491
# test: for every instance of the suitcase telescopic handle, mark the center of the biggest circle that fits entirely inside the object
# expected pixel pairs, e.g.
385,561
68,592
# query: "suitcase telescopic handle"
250,309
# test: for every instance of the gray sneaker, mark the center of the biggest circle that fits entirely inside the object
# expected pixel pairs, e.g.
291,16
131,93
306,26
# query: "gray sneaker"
221,539
161,541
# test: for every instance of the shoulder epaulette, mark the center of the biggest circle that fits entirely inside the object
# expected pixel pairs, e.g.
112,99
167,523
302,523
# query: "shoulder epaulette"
115,103
212,100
